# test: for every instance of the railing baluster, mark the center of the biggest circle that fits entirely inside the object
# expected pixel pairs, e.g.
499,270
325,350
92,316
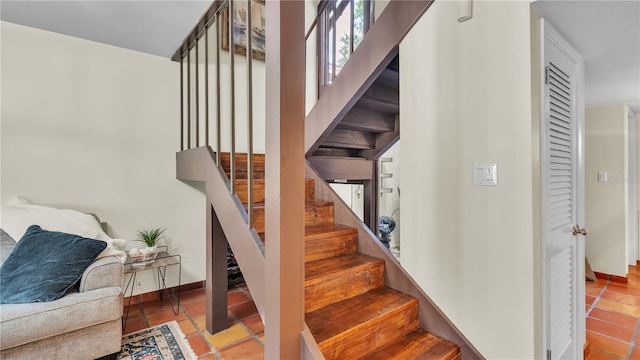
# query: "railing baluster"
197,95
333,42
218,136
188,99
206,86
232,69
249,116
181,103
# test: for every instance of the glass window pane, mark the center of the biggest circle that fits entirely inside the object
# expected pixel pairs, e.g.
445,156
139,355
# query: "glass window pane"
358,22
343,36
330,48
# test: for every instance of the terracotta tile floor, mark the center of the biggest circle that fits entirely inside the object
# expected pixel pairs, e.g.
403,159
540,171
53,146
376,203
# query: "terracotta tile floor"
613,318
613,321
242,340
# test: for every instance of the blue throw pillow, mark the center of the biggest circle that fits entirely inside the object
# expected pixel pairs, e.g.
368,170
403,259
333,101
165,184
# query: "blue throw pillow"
44,265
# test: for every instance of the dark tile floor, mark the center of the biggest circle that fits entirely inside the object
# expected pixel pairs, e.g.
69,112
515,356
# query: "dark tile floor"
242,340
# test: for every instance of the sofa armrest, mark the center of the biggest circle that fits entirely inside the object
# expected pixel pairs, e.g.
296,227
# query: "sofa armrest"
104,272
24,323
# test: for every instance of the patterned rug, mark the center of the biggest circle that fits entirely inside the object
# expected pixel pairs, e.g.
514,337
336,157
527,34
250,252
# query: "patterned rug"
164,342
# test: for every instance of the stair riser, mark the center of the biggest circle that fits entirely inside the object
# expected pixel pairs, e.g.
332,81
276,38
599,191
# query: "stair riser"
258,190
316,215
418,345
241,165
243,174
334,288
324,248
356,342
313,215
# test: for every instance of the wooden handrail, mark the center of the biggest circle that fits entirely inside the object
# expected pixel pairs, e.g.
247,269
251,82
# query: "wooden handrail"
196,32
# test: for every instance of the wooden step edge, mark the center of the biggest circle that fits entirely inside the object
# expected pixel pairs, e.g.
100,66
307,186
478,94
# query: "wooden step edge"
336,266
308,204
334,319
242,186
354,342
245,182
334,282
417,345
329,245
327,230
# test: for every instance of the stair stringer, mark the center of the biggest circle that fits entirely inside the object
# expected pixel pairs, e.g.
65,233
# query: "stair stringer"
430,317
375,52
199,165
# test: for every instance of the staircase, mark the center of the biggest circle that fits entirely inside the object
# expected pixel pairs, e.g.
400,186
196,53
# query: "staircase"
358,300
348,308
371,126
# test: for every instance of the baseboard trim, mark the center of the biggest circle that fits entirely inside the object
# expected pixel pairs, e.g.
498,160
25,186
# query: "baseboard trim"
613,278
155,295
586,350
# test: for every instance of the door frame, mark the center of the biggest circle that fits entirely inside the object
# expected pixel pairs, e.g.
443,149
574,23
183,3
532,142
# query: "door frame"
631,187
546,30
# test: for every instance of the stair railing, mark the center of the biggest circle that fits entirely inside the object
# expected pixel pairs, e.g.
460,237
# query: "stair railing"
278,265
195,91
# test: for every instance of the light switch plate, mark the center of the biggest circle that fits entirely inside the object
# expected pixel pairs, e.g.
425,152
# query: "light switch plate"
603,176
485,174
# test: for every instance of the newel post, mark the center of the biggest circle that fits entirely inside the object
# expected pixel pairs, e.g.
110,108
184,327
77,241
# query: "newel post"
284,225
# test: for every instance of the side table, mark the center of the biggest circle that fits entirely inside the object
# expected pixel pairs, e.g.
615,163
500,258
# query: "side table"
162,261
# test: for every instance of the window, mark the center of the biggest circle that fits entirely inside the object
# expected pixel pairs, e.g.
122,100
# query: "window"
342,25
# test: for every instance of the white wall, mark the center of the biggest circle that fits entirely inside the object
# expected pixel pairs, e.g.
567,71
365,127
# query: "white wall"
95,128
389,203
241,96
606,210
465,97
637,186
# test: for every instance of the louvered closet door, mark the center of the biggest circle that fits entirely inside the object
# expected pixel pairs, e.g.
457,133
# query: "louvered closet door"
559,202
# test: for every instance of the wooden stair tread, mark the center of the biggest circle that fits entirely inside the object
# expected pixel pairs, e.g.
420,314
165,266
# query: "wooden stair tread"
417,345
259,190
341,277
315,271
246,181
329,229
336,319
315,212
349,311
308,204
241,165
326,240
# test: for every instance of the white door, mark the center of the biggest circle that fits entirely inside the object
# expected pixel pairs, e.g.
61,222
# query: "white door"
562,198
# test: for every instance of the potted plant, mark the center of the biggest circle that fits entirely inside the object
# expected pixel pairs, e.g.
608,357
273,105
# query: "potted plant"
151,239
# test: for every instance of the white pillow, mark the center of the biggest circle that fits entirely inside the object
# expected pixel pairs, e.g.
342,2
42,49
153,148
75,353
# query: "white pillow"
18,214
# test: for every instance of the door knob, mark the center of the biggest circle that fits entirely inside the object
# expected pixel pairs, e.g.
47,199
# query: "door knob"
577,230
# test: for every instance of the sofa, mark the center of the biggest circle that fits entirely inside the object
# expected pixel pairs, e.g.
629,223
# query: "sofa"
86,323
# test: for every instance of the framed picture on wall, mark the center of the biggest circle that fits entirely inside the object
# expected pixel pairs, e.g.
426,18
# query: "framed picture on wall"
240,28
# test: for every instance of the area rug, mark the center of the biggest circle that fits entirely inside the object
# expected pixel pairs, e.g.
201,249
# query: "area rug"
162,342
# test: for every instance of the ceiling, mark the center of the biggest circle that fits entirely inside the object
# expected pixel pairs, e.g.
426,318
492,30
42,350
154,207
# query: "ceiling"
154,27
606,33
